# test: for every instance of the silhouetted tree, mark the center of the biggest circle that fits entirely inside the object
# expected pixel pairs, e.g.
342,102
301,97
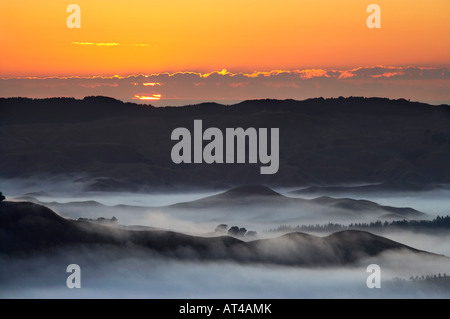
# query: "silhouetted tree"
2,198
233,231
221,228
438,222
242,232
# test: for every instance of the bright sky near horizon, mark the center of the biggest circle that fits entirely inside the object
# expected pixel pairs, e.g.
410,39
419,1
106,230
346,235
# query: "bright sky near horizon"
205,35
147,37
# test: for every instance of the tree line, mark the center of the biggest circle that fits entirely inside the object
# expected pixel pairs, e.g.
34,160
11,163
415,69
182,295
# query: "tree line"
437,223
422,278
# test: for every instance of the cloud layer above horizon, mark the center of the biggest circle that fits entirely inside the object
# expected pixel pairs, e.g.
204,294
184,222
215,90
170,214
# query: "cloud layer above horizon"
423,84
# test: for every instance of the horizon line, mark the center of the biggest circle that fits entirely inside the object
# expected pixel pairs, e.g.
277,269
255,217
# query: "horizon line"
234,101
304,73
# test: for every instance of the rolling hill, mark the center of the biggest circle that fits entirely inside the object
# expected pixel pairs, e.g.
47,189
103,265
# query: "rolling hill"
115,146
257,197
27,228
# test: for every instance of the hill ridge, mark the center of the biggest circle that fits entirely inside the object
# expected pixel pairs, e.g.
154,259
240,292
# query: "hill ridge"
339,141
35,228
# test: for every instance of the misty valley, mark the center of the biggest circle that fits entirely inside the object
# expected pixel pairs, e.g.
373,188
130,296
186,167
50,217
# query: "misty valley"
92,183
125,246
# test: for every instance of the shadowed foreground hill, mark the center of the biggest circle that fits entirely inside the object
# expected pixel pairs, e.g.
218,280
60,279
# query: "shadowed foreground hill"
27,228
124,146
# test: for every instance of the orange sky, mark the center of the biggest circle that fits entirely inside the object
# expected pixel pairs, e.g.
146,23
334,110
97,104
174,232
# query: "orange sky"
206,35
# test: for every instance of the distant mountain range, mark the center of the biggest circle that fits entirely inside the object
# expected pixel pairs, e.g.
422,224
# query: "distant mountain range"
27,228
115,146
262,198
381,187
256,202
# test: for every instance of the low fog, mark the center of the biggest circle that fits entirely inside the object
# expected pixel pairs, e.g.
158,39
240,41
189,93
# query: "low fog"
67,198
63,189
433,202
152,276
104,276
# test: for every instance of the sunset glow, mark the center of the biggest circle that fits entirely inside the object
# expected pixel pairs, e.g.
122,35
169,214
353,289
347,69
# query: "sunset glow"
151,84
99,44
129,37
209,40
145,98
